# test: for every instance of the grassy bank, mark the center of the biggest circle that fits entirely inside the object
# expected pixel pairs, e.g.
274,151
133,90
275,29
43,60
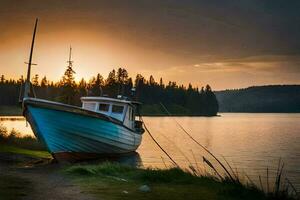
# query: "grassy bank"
13,138
115,181
8,148
13,187
11,142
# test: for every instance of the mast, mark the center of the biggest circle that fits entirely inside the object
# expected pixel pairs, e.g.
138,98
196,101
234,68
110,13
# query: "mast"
70,57
27,82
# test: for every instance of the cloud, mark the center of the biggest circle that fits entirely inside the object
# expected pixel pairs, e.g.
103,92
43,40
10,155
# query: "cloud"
267,63
224,29
190,41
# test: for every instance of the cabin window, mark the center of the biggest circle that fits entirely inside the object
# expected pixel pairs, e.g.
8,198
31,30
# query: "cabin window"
89,106
117,109
103,107
132,114
129,113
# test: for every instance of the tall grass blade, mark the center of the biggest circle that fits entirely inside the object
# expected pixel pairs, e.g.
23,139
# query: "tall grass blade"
250,180
163,160
211,166
261,185
196,162
293,188
236,177
277,173
268,189
182,153
203,147
278,180
194,171
155,141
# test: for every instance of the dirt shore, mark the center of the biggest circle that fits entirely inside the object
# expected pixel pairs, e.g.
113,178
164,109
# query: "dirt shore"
30,178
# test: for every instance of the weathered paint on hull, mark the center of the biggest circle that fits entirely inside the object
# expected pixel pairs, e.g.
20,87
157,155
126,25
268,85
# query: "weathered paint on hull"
69,133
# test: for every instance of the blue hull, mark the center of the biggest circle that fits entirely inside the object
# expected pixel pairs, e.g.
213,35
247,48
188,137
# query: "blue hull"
70,132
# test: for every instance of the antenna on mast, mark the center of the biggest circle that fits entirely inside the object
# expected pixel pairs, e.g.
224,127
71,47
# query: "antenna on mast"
70,57
27,82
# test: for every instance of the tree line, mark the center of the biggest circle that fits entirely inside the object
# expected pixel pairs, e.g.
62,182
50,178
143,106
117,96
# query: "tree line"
261,99
179,99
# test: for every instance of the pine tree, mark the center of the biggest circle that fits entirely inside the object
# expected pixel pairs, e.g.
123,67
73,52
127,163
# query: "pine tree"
179,99
82,88
161,83
111,85
68,79
111,79
211,102
35,80
190,87
2,79
44,82
139,85
68,85
122,78
128,87
21,80
96,85
152,81
139,80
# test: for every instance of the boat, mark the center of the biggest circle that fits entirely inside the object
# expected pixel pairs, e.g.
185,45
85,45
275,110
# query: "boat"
103,126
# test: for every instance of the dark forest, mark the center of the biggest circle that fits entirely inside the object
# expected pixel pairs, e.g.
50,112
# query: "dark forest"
261,99
178,99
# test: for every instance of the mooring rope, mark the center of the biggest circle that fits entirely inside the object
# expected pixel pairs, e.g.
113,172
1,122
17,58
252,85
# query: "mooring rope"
173,161
191,137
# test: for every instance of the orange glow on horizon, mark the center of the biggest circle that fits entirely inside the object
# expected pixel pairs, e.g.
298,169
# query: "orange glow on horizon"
149,39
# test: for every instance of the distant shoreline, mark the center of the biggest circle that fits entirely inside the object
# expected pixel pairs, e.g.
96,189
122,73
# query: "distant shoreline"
260,99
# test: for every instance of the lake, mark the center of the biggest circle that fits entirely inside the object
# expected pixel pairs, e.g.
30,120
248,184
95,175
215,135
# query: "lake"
251,143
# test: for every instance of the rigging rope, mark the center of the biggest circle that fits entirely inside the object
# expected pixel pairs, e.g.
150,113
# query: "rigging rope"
191,137
173,161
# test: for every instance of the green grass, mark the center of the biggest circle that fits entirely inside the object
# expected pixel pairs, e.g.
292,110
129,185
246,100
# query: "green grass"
14,138
5,148
116,181
13,143
22,142
110,180
10,111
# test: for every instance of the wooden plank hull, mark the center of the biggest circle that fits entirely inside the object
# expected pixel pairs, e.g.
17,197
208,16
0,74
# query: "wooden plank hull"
67,132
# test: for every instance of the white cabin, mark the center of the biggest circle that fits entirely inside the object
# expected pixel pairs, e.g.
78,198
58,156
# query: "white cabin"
119,109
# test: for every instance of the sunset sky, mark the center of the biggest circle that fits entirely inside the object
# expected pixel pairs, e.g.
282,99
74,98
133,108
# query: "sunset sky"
227,44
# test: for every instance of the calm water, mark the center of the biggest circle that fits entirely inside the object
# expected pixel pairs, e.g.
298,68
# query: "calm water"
249,142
